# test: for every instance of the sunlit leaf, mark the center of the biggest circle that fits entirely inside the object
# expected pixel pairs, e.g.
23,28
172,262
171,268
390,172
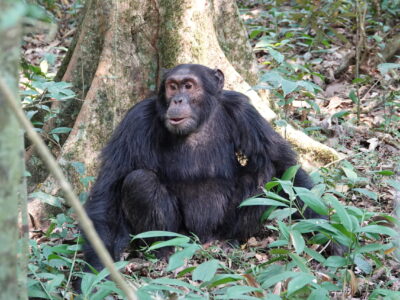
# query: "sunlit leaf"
378,229
261,201
298,282
288,86
340,210
206,270
298,241
368,193
335,261
47,198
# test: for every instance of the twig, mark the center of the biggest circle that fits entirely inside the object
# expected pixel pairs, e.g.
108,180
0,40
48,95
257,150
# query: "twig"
342,158
73,263
55,169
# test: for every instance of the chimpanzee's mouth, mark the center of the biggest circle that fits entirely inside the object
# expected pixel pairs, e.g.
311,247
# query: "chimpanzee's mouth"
176,121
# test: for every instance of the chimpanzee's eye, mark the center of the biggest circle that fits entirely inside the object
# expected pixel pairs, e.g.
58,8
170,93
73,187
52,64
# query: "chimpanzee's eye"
173,86
188,86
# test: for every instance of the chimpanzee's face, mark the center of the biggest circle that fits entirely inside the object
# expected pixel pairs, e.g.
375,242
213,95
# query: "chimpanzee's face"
184,94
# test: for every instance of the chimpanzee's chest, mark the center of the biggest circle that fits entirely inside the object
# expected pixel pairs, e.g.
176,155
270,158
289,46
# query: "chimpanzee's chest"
197,160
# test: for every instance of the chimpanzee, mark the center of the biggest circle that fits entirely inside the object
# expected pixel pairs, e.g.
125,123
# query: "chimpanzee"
172,164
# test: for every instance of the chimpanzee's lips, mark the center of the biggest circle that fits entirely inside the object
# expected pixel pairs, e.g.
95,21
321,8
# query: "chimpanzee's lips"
176,121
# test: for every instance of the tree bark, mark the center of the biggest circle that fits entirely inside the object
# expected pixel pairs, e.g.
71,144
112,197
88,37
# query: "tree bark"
120,53
12,188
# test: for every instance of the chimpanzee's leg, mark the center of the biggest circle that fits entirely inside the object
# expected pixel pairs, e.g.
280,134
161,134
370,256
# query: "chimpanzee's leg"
147,204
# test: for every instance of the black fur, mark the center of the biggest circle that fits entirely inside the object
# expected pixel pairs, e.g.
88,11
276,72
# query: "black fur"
151,179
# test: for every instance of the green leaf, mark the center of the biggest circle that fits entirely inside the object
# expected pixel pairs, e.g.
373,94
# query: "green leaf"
87,283
284,230
358,80
340,114
56,138
36,291
367,193
386,67
104,289
263,44
105,272
298,282
287,186
350,173
176,282
335,262
261,201
31,113
388,294
340,211
394,183
319,294
255,32
177,259
385,172
266,214
361,263
49,199
272,77
276,55
298,241
79,167
60,130
178,241
319,189
378,229
309,86
152,234
288,86
314,254
275,196
281,123
206,270
279,251
158,287
300,262
186,271
86,180
224,278
311,200
270,185
281,214
353,96
290,173
272,280
234,292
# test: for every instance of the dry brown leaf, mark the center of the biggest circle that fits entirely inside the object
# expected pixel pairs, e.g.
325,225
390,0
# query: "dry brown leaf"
277,288
251,281
353,282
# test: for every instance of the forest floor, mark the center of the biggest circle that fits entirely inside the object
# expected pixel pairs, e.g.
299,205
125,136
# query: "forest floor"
371,144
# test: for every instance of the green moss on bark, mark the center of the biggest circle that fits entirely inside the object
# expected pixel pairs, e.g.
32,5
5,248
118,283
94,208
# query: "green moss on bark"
169,38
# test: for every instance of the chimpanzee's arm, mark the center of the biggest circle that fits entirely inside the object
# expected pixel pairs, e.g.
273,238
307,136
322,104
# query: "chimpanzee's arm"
125,152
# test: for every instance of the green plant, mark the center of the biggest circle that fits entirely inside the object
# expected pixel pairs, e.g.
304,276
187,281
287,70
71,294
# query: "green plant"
362,232
40,93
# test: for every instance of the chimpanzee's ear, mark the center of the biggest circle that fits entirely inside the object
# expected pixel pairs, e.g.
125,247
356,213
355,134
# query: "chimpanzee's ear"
220,78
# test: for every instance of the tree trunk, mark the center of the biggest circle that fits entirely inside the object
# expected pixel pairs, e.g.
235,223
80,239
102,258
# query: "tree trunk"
12,275
120,51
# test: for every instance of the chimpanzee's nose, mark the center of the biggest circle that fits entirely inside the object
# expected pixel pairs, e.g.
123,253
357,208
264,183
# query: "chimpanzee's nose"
178,100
